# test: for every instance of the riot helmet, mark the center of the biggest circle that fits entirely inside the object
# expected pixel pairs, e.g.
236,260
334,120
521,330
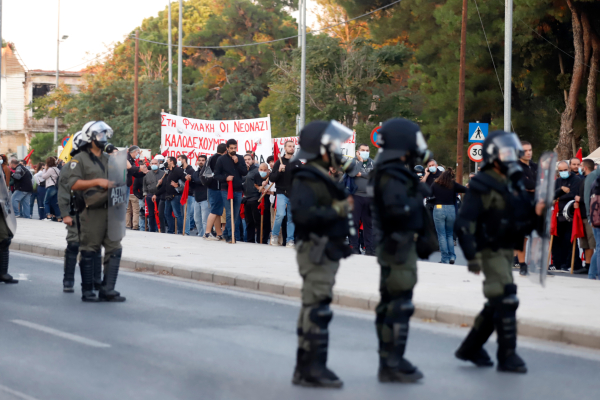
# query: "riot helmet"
76,143
419,170
321,137
505,149
98,132
399,137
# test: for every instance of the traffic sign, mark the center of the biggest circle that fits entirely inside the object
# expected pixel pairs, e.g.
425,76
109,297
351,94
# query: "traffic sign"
374,136
65,140
476,152
478,131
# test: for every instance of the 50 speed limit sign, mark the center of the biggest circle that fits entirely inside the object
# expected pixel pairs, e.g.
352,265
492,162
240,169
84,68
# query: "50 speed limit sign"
476,152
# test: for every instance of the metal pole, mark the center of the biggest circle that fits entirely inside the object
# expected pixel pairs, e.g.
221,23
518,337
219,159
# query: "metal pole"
57,72
170,63
460,134
179,63
300,22
303,68
136,89
508,17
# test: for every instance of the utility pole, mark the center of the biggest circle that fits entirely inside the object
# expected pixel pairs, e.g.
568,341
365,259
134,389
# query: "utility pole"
508,19
136,88
303,66
170,63
57,71
460,135
179,63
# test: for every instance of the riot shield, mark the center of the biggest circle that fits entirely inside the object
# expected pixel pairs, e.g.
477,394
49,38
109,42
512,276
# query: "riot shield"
118,195
6,203
540,241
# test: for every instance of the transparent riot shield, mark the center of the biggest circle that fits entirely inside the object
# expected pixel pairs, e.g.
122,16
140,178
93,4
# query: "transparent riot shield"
6,203
540,241
118,195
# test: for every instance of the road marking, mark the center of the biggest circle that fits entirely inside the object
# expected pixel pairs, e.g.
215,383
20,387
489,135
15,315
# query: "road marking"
61,334
16,394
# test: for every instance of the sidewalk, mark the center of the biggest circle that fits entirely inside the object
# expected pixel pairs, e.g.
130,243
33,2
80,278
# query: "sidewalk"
566,310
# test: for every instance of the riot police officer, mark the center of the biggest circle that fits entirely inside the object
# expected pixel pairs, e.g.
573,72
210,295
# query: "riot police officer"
401,232
322,216
67,207
496,215
8,228
88,178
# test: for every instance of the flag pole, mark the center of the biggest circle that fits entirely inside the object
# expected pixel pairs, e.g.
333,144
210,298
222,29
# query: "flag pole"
261,220
232,223
184,218
573,255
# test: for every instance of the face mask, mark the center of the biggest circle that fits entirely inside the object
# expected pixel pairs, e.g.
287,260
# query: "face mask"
580,171
441,169
137,156
179,163
262,173
1,161
154,167
564,174
364,155
432,169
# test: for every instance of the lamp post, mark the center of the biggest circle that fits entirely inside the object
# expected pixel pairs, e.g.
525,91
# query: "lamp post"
58,40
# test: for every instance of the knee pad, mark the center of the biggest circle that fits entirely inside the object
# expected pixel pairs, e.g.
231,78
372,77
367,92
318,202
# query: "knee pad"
4,244
401,309
73,247
88,254
321,316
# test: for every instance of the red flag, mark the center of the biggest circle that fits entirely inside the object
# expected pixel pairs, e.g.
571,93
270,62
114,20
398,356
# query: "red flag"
190,154
146,207
579,155
254,147
578,231
185,194
166,152
261,206
554,220
229,190
156,216
26,159
242,211
275,151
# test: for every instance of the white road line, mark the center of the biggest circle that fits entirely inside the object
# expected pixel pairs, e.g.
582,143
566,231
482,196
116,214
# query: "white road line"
61,334
16,394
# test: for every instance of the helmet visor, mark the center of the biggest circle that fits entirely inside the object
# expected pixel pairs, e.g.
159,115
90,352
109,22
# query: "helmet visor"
101,131
334,135
509,147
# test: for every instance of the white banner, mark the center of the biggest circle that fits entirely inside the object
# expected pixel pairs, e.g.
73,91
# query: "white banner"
348,147
193,137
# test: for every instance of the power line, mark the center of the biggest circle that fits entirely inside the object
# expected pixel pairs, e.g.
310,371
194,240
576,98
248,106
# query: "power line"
489,49
276,40
88,61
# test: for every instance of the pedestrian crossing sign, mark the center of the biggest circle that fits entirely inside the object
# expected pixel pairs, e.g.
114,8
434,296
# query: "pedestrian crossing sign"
478,131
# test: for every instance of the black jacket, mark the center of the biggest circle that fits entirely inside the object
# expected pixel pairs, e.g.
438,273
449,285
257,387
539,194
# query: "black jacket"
283,180
174,175
138,188
529,175
572,182
200,191
226,167
212,163
250,190
23,179
432,177
133,172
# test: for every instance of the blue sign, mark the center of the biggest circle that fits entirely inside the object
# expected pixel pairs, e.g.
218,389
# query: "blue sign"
478,131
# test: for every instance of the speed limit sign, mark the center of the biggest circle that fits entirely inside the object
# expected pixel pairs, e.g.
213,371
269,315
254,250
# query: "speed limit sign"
476,152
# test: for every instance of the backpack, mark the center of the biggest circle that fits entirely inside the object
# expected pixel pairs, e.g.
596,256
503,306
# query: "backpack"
206,174
594,213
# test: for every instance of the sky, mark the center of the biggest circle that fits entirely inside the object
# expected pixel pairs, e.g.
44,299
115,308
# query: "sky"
92,25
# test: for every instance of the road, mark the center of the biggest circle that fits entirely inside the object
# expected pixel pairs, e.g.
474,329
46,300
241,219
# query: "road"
176,339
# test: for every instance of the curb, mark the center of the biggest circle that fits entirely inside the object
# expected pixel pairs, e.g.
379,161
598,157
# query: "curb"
570,334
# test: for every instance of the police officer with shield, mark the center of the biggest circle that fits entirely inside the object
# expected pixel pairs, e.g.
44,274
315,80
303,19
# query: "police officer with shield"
496,215
8,228
323,220
403,233
89,179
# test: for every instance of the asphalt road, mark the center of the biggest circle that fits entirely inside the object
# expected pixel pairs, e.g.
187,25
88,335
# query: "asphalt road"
176,339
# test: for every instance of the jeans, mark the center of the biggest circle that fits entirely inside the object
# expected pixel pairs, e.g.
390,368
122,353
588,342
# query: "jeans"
41,195
201,211
142,224
362,212
594,272
237,201
175,207
152,227
282,203
51,201
20,204
240,230
443,219
190,212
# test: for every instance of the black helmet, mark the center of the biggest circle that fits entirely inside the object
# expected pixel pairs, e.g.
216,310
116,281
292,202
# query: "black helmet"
503,147
399,137
320,137
310,140
419,169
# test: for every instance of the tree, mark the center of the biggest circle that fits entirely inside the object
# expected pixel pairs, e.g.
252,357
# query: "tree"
43,146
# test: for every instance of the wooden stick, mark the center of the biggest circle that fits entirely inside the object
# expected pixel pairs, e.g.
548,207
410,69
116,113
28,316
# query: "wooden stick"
265,192
184,218
550,252
232,224
261,223
573,255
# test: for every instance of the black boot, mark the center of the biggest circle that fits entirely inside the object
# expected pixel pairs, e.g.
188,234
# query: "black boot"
71,253
297,377
393,367
471,348
86,266
523,269
111,271
4,251
98,270
312,365
505,320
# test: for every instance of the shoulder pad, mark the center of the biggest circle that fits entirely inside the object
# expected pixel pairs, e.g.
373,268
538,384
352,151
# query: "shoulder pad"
483,183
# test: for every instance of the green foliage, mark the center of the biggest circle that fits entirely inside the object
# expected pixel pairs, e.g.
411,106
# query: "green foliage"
43,146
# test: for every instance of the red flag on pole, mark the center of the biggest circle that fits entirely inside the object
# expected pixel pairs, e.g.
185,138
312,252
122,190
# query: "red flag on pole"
275,151
579,155
166,152
146,213
261,206
26,159
185,194
156,216
229,190
554,220
242,211
578,231
254,147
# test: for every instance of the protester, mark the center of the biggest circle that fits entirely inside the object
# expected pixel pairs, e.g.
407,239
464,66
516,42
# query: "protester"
362,201
575,166
133,171
41,190
253,185
282,176
431,173
588,242
529,181
182,161
214,198
566,188
50,177
138,192
5,169
587,191
168,185
201,207
444,191
272,196
150,188
23,189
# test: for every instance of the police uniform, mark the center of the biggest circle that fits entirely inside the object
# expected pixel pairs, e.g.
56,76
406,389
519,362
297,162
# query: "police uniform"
496,215
321,216
72,250
5,239
400,224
